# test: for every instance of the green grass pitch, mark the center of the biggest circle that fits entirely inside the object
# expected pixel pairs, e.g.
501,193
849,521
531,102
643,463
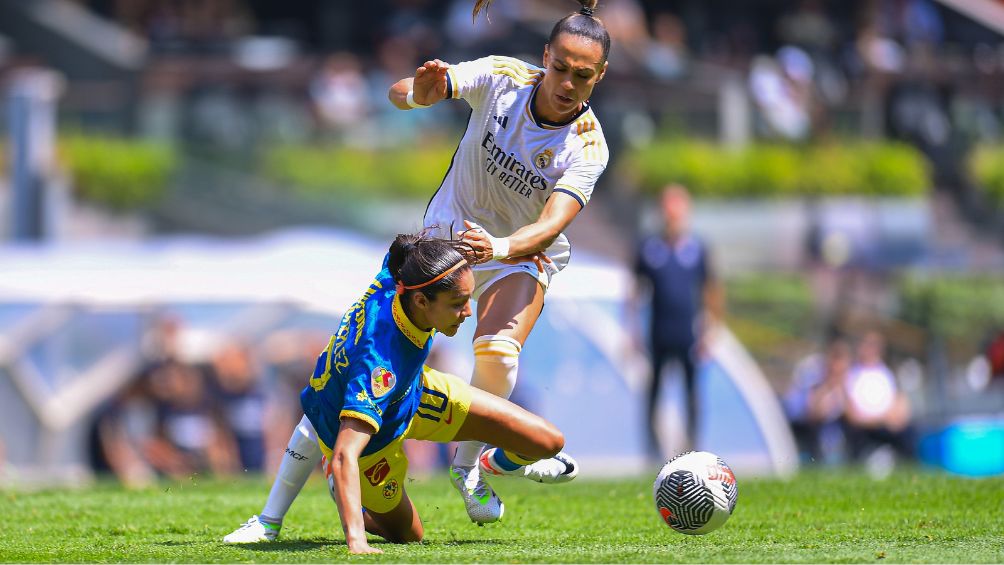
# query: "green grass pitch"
914,516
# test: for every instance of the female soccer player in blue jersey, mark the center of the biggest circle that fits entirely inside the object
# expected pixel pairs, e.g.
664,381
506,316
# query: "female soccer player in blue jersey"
526,165
371,390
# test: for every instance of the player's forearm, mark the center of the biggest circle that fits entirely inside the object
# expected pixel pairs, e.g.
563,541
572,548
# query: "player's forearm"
398,94
348,498
533,238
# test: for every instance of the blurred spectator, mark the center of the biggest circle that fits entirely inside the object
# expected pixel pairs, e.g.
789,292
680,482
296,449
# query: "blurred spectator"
122,429
340,94
685,298
125,425
629,36
877,412
814,403
666,56
174,24
782,92
241,403
292,356
808,27
995,355
188,438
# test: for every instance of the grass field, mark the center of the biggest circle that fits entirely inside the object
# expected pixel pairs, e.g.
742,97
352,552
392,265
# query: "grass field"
915,516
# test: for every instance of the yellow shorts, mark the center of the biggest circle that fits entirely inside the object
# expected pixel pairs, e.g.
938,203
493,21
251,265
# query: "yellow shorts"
445,402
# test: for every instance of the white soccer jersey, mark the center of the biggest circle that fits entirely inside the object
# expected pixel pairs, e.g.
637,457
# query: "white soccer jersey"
510,161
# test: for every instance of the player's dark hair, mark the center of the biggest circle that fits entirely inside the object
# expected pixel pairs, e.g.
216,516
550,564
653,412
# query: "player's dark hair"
584,24
419,258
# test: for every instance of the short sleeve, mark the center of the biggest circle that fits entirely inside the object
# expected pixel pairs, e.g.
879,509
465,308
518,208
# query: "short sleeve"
479,80
369,390
470,80
590,161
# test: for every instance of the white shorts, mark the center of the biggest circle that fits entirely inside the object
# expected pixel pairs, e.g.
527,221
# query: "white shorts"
487,274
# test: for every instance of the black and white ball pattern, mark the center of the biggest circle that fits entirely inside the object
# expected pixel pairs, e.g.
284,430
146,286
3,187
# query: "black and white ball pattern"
695,493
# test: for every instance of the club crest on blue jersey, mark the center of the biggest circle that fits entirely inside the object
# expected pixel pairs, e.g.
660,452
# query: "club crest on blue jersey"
382,381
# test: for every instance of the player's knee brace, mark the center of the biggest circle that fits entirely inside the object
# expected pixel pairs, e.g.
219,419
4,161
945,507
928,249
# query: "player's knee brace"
496,362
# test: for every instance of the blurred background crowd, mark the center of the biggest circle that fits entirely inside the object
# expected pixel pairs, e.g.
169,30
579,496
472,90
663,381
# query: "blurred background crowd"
838,166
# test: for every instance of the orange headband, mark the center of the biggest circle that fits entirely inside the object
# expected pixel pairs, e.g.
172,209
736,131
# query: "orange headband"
439,277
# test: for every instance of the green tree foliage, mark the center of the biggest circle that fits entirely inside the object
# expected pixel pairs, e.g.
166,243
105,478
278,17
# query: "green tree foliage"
778,171
410,173
117,172
986,169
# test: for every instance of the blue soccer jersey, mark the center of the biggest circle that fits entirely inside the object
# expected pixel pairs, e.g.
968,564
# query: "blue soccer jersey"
371,369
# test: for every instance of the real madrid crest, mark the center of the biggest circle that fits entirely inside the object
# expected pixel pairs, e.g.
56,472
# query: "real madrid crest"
382,381
543,159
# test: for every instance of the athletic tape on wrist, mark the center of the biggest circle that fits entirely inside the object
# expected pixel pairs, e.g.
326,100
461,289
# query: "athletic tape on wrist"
410,100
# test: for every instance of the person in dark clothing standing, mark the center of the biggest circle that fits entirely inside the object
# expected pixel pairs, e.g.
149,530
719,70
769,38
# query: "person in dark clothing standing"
685,298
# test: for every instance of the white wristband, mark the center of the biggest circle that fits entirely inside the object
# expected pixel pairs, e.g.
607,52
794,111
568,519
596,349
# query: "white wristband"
500,247
410,100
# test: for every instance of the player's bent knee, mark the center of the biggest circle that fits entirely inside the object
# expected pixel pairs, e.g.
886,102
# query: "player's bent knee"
554,440
547,441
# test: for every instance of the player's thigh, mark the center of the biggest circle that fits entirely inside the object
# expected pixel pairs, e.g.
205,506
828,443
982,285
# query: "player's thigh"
510,306
506,425
442,408
400,524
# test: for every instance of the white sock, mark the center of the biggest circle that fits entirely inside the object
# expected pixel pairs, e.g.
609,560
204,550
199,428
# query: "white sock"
302,455
496,361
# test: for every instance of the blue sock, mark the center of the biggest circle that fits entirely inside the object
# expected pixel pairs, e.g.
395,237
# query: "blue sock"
504,462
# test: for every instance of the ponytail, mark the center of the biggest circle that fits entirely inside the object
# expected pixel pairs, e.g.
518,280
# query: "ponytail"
420,262
588,7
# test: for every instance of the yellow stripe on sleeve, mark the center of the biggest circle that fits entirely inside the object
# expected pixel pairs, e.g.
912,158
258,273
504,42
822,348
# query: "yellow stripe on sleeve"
522,81
573,189
454,86
517,66
360,416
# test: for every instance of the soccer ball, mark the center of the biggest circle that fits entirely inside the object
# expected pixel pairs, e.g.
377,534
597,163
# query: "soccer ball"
695,492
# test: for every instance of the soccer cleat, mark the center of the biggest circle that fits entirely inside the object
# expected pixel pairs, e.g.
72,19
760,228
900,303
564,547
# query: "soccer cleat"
558,469
253,531
483,505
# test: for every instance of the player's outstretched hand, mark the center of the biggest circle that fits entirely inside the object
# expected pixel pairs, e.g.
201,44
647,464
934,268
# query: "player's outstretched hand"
430,82
538,258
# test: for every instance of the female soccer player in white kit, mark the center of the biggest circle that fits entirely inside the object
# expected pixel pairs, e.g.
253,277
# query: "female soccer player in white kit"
526,165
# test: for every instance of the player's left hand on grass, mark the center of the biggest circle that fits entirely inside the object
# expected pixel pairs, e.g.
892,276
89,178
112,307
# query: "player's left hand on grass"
362,547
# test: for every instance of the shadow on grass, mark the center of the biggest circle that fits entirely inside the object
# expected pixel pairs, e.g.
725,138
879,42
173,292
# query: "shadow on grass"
292,545
452,542
277,545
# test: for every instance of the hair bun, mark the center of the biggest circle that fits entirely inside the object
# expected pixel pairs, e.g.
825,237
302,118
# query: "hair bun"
586,11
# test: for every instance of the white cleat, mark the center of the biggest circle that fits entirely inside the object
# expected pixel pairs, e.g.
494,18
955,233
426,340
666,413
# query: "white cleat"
253,531
483,505
558,469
